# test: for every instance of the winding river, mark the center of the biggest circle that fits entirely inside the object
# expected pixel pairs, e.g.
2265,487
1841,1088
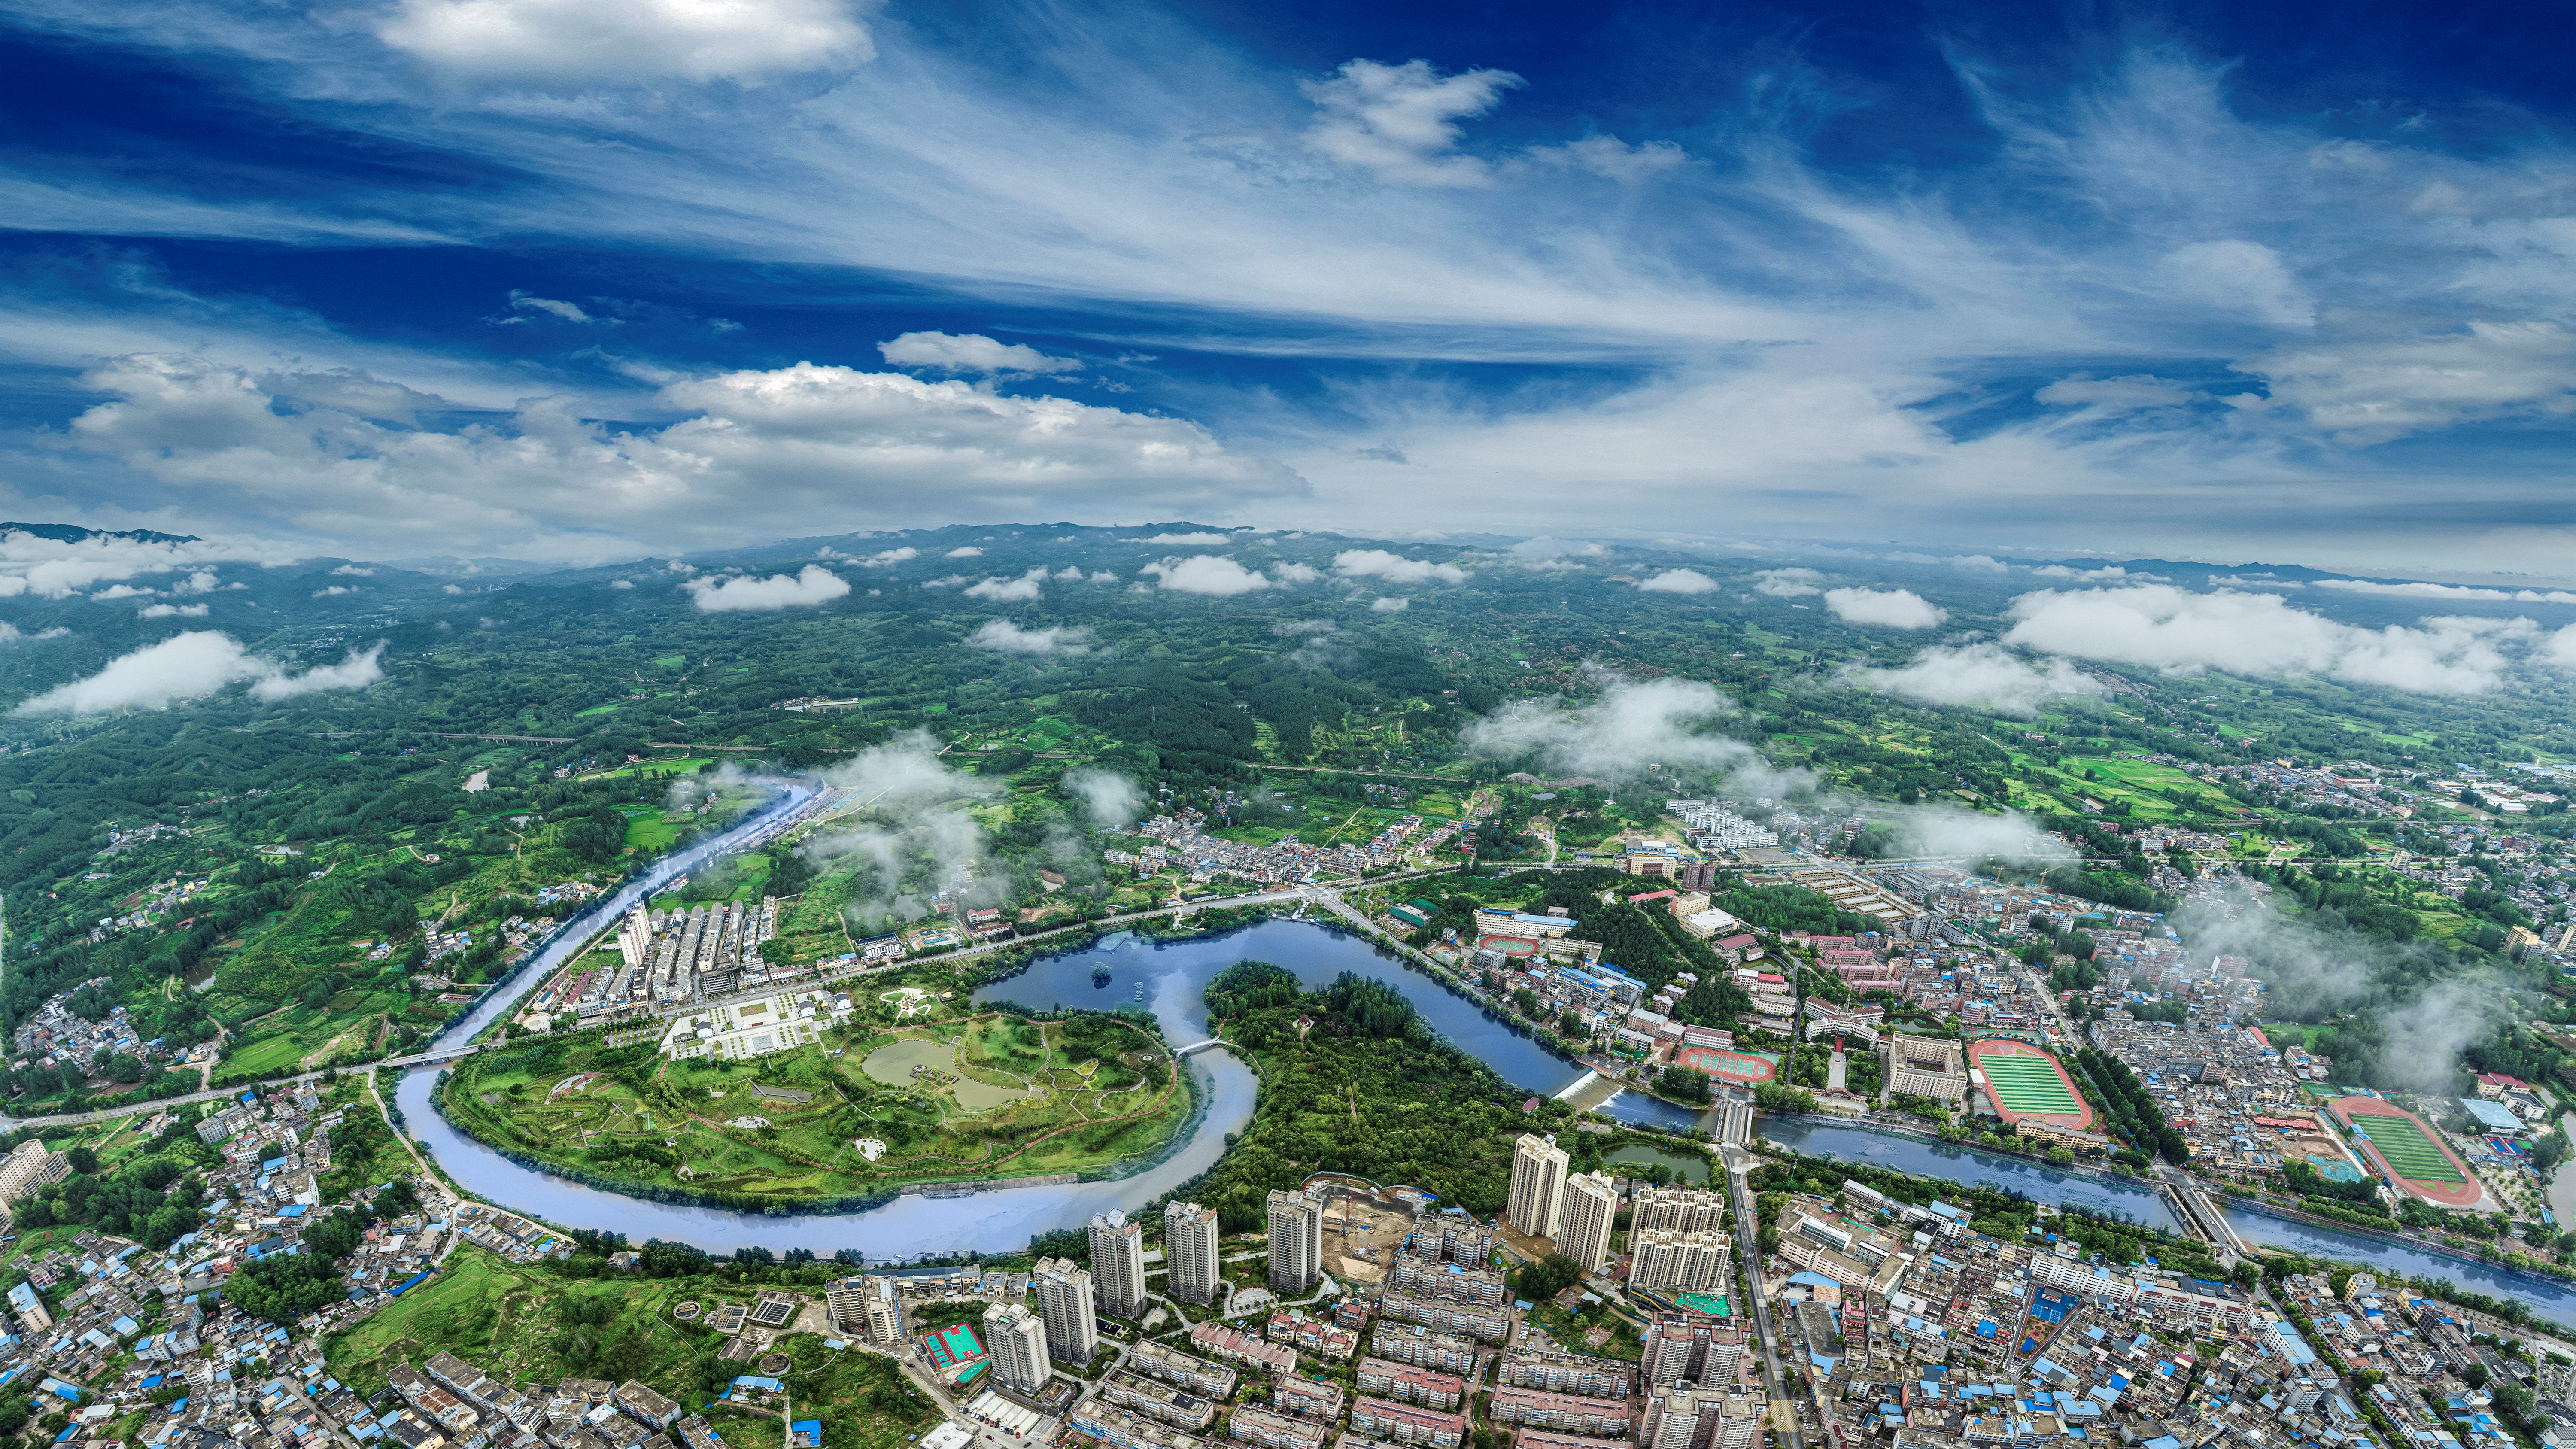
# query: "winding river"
1168,977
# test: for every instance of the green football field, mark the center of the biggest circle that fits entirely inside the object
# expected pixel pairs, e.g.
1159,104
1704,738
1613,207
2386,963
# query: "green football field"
2407,1148
2029,1086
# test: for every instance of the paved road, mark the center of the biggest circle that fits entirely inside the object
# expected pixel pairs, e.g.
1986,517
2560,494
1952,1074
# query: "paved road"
1774,1385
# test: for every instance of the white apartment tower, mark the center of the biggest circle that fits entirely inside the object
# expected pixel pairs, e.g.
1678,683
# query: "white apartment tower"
1072,1315
635,938
1296,1242
1018,1340
1538,1185
1663,1261
1591,1204
1118,1264
1190,1235
1677,1209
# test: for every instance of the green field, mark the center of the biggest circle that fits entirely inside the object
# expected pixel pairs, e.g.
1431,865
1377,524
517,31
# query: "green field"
937,1100
2415,1156
2029,1086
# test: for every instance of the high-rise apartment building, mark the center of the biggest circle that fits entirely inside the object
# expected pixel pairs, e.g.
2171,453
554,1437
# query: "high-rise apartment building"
1677,1209
1591,1204
1118,1264
1066,1299
1538,1185
1296,1242
1663,1261
1690,1348
1190,1235
1018,1341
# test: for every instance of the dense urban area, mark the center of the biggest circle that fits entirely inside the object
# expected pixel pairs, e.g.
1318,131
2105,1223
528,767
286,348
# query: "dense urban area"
2201,945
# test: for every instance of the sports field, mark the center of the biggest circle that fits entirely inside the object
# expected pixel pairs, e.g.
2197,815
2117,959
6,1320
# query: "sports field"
2414,1159
1744,1069
2025,1083
951,1346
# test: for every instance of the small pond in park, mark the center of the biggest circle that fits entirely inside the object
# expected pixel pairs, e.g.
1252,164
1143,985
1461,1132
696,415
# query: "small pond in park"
1680,1167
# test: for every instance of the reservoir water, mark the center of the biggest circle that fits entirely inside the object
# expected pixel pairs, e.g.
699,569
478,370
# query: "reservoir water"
1172,975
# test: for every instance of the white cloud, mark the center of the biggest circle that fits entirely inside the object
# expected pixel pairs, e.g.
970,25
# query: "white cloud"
191,666
2104,397
971,353
1027,586
1389,604
1010,638
171,611
2157,626
1610,157
1884,608
2560,649
1400,122
1377,563
1295,573
889,558
1112,799
1103,576
2244,278
576,43
950,582
813,584
128,591
54,569
1629,727
765,454
964,551
1206,573
354,572
1678,581
621,583
2108,573
1983,676
1187,540
562,311
1787,583
332,592
2371,390
357,671
2448,591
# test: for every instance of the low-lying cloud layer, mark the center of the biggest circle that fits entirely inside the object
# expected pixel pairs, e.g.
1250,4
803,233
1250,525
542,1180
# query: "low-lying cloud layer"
813,584
1678,581
1208,573
1394,568
193,665
2161,627
1980,676
1010,638
1884,608
1113,800
1631,726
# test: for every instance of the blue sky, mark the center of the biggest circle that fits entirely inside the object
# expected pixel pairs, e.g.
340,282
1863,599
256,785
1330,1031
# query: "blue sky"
556,279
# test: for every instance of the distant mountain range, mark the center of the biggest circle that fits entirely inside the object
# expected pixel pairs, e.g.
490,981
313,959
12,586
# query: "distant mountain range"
72,533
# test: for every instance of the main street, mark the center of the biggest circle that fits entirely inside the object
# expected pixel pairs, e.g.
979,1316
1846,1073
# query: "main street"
1739,1162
